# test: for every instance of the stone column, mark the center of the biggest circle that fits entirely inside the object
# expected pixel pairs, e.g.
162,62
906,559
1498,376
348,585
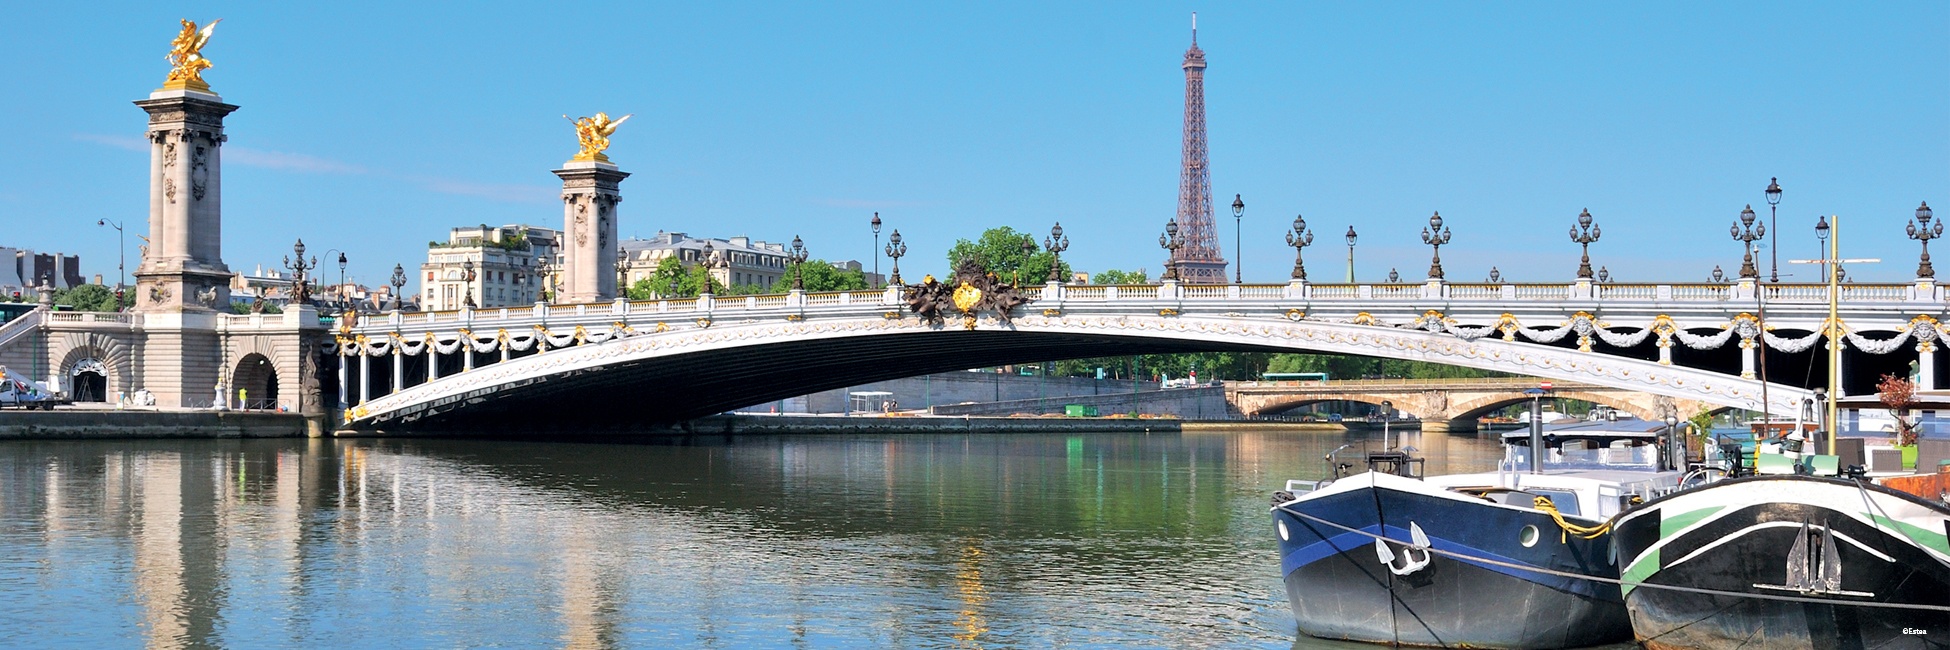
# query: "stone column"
399,370
589,198
365,377
345,378
1926,365
182,268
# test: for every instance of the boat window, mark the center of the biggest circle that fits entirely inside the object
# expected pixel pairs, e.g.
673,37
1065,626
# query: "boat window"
1566,501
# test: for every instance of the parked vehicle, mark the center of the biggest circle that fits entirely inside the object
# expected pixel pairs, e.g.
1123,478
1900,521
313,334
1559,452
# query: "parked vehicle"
20,392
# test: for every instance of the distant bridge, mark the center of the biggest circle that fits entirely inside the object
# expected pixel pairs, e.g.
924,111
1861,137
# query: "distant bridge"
1447,404
678,359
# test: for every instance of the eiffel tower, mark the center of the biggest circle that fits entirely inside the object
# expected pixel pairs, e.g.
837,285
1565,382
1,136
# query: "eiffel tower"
1199,261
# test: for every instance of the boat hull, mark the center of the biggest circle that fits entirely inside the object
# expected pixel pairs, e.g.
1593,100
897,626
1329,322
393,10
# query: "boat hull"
1738,536
1339,589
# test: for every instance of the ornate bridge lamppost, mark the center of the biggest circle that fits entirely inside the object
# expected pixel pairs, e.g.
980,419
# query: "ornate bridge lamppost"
1435,236
399,285
1604,276
1171,242
1028,250
1584,234
707,259
545,270
876,245
467,276
1920,230
300,292
1239,251
1496,277
797,256
1056,243
1350,253
1718,276
1773,193
623,269
896,249
1747,232
1300,238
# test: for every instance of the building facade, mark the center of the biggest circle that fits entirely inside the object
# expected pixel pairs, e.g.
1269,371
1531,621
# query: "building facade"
747,261
506,262
21,270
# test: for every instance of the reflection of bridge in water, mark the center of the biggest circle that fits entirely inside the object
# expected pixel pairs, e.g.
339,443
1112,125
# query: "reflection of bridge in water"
1445,404
564,365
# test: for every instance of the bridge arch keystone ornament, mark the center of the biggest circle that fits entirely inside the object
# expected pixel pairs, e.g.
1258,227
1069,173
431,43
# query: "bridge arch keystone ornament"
971,292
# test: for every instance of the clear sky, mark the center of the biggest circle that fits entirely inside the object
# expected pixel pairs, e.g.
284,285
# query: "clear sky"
375,128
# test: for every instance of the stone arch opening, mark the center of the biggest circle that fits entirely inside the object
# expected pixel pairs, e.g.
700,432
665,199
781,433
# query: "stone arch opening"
1403,407
1478,409
88,381
256,381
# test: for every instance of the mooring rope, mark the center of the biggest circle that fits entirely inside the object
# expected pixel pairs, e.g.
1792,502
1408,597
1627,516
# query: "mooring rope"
1616,581
1588,532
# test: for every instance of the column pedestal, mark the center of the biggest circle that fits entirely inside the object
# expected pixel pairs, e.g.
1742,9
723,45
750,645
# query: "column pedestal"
589,197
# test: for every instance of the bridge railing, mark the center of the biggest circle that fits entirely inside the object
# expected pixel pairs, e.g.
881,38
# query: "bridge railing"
1363,297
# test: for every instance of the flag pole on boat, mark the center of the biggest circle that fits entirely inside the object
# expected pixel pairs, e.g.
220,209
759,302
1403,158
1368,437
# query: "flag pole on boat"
1831,264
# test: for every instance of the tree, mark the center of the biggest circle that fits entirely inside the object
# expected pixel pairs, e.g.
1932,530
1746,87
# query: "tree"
1000,251
1114,276
669,270
91,297
823,276
1899,394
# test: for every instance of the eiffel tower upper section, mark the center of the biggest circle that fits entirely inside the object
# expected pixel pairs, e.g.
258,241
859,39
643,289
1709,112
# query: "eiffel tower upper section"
1200,260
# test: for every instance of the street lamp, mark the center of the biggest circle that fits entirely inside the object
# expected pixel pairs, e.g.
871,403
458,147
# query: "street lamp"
467,276
1056,243
1675,449
1239,251
876,245
705,261
300,293
1435,236
797,256
1496,276
623,268
1350,253
1718,276
1921,231
1393,277
1604,276
1583,238
122,259
546,270
1773,220
1171,242
896,249
1747,232
1299,238
399,284
1387,414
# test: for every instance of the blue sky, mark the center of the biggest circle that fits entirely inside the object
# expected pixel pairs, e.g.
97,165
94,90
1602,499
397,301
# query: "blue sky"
376,128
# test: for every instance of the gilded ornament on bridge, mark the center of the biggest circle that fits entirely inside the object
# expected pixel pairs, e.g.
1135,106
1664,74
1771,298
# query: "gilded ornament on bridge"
186,62
593,134
974,291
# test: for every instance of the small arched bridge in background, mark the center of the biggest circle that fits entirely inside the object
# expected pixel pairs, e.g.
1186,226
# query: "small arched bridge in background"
657,361
1447,404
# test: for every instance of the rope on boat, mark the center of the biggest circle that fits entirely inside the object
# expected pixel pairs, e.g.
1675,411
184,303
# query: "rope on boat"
1616,581
1588,532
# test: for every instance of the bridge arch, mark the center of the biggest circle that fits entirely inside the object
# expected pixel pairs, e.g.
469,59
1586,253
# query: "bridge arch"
703,367
1642,410
93,353
1414,407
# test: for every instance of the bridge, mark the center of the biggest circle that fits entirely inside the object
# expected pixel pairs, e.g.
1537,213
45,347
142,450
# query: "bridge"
1446,404
676,359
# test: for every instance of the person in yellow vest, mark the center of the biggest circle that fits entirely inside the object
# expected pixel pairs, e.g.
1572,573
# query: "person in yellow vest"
243,399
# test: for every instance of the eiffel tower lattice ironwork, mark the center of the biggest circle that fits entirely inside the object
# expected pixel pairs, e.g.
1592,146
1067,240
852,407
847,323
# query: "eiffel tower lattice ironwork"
1200,261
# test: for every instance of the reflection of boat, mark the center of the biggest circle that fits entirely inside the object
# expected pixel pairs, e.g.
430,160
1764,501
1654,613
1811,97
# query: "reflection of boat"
1385,557
1799,560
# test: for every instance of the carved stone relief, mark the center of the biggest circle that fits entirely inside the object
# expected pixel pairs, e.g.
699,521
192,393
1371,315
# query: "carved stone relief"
199,173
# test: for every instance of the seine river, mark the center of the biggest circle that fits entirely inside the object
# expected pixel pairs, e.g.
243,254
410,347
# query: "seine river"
1027,540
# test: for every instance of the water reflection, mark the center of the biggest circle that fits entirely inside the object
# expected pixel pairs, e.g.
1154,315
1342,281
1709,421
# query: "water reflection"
951,541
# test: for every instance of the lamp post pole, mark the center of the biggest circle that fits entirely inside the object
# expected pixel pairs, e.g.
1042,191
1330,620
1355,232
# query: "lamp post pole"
876,249
467,276
1350,253
1056,243
1584,233
1171,242
797,256
399,284
1238,250
1299,238
1028,250
1435,236
122,258
896,249
1774,221
1921,231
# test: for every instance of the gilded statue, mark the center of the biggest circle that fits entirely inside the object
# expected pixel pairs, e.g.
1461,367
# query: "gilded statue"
593,133
186,57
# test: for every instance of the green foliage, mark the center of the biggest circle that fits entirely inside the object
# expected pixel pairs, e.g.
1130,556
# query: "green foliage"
689,282
1114,276
245,308
1353,367
91,297
822,276
1000,251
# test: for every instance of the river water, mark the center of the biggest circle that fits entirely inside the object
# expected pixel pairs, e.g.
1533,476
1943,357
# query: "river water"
1023,540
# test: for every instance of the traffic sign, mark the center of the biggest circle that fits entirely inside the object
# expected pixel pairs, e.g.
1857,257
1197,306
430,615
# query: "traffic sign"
1544,385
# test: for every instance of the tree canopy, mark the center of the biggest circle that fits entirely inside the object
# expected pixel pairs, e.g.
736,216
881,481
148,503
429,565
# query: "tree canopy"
1114,276
91,297
1000,250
